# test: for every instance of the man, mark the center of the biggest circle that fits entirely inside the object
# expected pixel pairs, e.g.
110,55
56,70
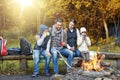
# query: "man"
40,49
58,43
72,37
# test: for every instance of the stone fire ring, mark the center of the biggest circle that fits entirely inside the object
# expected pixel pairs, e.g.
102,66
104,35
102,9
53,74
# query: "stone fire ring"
94,73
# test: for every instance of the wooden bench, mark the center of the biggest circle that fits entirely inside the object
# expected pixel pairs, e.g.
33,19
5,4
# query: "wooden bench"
23,59
113,56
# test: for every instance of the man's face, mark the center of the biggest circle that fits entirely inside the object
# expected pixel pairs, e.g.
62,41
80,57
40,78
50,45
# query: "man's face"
58,25
71,25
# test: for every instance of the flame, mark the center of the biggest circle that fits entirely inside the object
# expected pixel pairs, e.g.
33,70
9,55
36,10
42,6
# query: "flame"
94,63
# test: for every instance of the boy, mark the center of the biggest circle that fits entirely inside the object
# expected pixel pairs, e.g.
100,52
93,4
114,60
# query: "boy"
40,49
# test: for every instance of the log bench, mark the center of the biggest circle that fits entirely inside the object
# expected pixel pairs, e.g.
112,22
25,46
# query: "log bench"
113,56
23,59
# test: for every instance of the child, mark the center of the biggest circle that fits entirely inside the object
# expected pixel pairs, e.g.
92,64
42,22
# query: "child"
40,49
83,44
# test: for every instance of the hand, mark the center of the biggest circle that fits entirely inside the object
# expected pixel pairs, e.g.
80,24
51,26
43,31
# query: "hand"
46,33
72,48
62,43
48,53
37,37
84,37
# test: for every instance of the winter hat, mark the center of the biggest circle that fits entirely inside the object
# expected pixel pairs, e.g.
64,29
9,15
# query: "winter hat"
43,28
82,29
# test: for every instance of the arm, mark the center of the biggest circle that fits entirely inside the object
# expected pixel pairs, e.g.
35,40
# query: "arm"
78,33
65,38
48,48
39,40
68,46
79,41
88,42
48,45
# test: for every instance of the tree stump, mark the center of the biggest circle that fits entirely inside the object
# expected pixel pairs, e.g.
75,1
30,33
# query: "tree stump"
23,65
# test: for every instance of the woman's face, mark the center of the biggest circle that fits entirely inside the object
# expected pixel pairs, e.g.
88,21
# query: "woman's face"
71,25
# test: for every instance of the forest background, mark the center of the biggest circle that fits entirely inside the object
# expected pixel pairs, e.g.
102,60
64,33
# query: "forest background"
100,17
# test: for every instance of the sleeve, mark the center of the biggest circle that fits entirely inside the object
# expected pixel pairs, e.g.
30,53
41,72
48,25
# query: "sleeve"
48,45
79,41
78,33
68,46
88,42
65,36
40,41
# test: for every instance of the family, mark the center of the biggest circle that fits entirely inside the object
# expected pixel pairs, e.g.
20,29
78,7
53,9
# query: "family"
69,42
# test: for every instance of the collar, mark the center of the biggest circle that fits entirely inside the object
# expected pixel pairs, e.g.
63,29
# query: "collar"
70,29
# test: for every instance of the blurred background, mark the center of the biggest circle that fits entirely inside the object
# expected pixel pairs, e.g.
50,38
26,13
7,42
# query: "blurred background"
23,17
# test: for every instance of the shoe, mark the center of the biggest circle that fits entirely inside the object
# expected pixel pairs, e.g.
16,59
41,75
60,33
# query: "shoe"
47,74
56,74
35,75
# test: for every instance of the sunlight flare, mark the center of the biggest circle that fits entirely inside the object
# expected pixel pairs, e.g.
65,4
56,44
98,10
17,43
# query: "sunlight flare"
25,3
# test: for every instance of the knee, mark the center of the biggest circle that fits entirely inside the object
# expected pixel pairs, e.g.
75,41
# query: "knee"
78,54
71,53
35,57
36,60
54,56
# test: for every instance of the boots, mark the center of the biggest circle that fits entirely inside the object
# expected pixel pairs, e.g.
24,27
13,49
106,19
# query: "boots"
47,73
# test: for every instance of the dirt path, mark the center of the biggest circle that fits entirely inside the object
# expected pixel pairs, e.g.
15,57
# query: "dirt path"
22,77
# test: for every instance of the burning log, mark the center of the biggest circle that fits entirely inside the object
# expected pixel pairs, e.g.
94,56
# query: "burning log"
94,63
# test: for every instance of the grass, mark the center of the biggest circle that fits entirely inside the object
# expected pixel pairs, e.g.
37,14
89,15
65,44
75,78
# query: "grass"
12,67
9,67
62,67
106,48
15,42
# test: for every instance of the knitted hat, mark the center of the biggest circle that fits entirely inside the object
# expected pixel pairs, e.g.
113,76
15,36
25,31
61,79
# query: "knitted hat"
43,28
82,29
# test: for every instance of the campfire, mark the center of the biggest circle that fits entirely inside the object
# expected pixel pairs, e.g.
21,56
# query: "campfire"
94,63
95,69
92,70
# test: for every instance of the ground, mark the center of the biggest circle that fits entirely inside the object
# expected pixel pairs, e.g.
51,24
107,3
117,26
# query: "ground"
22,77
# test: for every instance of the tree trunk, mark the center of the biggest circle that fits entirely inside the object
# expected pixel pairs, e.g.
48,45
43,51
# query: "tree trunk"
44,19
106,30
37,22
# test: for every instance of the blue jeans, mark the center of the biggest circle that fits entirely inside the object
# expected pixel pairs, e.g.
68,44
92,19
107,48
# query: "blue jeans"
36,58
76,53
65,52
